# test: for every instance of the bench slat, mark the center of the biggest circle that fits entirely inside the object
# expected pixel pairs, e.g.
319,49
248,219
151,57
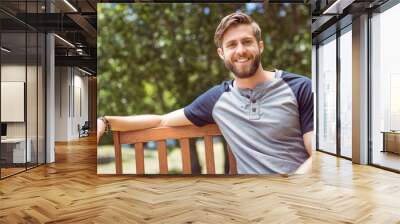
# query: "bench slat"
162,133
118,153
208,143
186,163
139,157
162,157
232,162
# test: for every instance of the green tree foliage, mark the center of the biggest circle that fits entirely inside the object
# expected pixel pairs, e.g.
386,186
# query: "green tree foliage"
155,58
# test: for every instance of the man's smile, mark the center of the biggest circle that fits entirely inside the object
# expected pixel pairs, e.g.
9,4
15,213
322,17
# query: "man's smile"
242,60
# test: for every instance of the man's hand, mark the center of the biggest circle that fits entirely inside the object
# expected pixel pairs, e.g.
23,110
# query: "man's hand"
140,122
101,127
306,167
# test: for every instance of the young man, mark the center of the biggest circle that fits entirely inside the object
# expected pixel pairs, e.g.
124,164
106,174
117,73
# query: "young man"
266,117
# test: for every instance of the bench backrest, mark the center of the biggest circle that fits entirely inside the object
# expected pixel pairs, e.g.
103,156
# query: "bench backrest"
160,134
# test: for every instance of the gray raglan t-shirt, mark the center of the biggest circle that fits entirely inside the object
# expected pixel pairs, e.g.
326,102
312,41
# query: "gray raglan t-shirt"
263,126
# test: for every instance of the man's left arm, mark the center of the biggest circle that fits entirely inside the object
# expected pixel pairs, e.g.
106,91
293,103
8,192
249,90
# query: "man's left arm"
306,167
303,91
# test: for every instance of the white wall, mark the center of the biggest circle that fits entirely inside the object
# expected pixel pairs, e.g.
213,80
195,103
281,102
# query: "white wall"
71,94
34,124
15,72
61,103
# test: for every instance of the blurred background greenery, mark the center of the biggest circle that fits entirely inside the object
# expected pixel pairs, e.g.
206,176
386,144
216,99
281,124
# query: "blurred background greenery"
156,58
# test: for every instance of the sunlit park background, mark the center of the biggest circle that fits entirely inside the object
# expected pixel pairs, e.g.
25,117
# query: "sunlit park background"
156,58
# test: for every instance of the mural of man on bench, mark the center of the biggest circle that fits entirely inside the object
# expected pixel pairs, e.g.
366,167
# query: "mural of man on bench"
265,116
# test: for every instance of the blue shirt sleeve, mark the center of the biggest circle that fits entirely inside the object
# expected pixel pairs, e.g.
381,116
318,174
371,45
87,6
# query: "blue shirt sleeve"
306,107
199,112
302,89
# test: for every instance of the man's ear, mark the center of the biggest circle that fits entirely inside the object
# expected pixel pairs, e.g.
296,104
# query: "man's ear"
261,46
220,53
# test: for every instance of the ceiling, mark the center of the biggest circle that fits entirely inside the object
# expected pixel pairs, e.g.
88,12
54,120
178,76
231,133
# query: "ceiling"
74,22
331,15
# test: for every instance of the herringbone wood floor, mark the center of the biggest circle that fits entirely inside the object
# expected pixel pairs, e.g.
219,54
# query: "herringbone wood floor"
69,191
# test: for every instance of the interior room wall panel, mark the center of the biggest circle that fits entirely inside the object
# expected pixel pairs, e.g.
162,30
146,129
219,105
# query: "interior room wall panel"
41,99
12,73
71,100
61,104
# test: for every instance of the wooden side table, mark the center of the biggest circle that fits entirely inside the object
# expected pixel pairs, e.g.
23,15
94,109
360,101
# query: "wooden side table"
391,141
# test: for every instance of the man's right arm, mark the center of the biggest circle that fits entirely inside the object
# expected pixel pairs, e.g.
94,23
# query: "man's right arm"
139,122
198,113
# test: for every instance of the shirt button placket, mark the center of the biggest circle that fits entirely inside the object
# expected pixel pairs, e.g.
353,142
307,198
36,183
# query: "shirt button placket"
254,113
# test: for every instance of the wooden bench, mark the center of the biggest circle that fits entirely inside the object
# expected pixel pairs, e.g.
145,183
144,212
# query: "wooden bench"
160,134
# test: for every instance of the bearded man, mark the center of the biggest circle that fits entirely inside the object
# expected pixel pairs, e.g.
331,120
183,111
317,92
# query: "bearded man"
266,117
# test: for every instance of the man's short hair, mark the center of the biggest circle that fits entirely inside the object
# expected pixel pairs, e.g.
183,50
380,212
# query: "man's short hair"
235,19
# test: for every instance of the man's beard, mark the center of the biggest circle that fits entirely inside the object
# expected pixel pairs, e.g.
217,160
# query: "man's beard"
247,73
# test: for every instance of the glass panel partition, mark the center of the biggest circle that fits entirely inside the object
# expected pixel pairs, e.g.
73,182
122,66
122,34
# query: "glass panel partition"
22,87
327,95
385,89
346,92
14,152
